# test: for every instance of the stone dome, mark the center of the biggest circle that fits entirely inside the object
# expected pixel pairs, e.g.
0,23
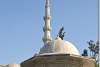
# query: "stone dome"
59,46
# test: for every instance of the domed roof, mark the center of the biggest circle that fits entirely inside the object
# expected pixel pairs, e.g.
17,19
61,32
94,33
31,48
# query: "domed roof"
59,46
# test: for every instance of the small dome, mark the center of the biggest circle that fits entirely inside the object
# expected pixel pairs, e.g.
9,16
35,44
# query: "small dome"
59,46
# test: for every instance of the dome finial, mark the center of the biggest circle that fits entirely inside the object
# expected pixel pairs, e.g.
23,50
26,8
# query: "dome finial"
61,33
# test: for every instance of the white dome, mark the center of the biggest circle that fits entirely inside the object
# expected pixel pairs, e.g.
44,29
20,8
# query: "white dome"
59,46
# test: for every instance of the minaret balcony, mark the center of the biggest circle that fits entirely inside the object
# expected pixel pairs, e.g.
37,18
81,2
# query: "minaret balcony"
47,29
47,17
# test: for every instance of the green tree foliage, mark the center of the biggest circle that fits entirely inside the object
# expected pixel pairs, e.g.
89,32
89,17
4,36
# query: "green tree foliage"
94,50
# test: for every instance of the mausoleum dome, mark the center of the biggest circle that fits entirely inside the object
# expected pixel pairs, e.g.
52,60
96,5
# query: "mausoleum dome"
59,46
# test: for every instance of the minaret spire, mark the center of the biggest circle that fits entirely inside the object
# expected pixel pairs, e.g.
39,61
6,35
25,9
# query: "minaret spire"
47,20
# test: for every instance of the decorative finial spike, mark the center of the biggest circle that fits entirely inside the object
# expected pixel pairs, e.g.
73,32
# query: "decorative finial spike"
47,2
61,33
47,26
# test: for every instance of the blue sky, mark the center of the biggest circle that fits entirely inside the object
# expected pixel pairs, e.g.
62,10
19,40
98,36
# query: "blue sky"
21,23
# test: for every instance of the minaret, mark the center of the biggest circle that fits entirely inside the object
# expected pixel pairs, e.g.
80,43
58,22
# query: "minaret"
47,26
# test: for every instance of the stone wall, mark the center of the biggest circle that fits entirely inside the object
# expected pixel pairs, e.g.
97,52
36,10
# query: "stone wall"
62,60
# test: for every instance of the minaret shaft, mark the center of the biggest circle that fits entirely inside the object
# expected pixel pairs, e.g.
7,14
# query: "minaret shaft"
47,26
